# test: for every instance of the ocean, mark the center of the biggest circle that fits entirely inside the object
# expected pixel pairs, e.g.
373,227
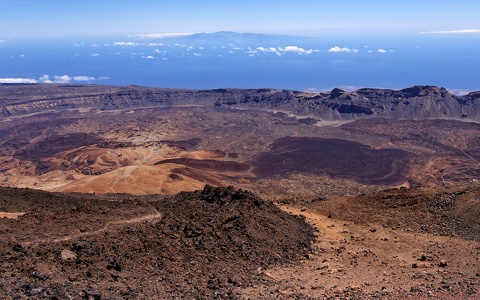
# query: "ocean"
240,60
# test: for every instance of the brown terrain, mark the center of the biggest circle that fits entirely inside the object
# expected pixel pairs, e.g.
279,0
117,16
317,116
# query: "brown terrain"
387,180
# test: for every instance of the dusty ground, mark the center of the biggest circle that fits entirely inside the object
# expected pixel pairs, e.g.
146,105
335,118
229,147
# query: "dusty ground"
209,244
222,243
396,244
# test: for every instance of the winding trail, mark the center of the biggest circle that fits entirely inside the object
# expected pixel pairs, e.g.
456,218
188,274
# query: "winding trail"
126,174
156,216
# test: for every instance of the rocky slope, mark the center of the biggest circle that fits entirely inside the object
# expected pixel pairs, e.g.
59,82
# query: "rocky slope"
208,244
418,102
222,243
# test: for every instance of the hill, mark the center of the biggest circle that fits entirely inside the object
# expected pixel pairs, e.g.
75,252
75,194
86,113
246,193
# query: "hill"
206,244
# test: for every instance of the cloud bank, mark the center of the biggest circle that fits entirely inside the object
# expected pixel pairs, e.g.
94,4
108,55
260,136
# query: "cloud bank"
337,49
18,80
452,31
280,50
54,79
125,44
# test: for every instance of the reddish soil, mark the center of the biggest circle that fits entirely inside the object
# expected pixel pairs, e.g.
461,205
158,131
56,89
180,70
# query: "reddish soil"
208,164
334,157
221,243
207,244
395,244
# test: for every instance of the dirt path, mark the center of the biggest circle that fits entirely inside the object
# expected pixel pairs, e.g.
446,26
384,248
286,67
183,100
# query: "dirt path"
376,260
330,229
126,174
10,215
154,217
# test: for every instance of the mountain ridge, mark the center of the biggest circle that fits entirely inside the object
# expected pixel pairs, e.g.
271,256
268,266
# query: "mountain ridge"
417,102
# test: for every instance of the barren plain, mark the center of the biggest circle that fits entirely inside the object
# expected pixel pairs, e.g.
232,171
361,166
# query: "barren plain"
387,180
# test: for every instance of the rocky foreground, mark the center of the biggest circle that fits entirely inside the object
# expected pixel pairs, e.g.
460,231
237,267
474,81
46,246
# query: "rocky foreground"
222,243
204,245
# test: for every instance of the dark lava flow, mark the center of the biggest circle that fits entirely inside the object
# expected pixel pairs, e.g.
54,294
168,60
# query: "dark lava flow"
333,157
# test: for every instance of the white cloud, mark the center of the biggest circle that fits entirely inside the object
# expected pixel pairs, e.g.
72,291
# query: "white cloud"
94,45
18,80
197,54
155,44
298,50
337,49
149,57
382,51
62,79
95,54
165,35
125,44
83,78
56,79
22,55
45,79
452,31
283,50
270,49
187,47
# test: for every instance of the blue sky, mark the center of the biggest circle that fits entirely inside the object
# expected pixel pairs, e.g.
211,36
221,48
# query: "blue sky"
34,18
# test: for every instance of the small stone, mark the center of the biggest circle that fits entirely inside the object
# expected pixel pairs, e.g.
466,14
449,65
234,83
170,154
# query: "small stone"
443,263
67,254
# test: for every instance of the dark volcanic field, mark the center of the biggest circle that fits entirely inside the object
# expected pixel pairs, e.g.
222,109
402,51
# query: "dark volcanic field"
200,245
335,157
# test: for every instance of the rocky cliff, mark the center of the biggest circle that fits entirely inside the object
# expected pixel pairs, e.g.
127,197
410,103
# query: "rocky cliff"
418,102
